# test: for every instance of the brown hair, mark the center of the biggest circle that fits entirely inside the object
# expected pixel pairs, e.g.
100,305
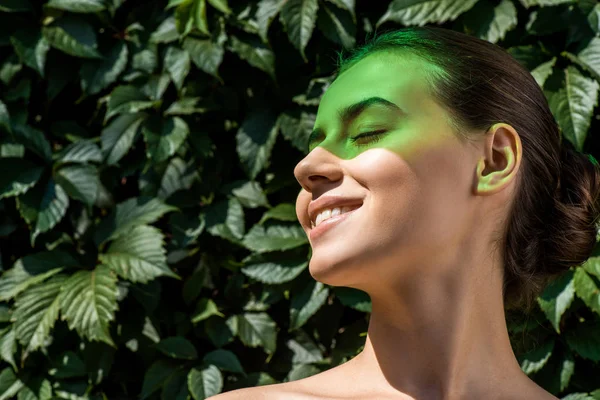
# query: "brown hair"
552,221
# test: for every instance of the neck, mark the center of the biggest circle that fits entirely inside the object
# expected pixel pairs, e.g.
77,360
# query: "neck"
441,334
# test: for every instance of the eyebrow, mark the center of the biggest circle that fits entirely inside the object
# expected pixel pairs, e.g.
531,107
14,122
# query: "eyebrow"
352,111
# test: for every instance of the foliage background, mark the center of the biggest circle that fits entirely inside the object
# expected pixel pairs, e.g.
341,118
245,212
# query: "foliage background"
149,242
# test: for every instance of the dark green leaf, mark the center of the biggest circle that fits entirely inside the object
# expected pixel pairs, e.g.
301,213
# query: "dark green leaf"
17,176
421,12
81,182
557,297
163,137
177,347
225,360
205,382
306,303
255,54
98,75
206,54
78,6
298,18
255,140
275,237
72,36
31,47
118,137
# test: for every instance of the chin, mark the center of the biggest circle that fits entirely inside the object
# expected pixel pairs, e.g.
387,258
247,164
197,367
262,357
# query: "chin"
333,272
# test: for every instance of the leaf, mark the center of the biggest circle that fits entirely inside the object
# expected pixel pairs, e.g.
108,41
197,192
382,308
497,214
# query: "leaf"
573,106
17,176
557,297
226,219
164,137
68,365
306,303
36,310
15,5
304,348
98,75
9,384
587,290
78,6
354,298
4,118
33,269
185,106
127,100
219,331
296,127
592,266
225,360
589,57
530,3
273,268
33,140
88,303
155,377
206,54
81,182
130,213
535,359
118,137
492,22
178,176
275,237
175,387
249,193
205,382
255,140
281,212
32,48
138,256
72,36
257,329
81,151
177,63
421,12
177,347
543,71
256,55
45,205
266,11
205,309
337,25
8,345
298,18
220,5
166,31
584,339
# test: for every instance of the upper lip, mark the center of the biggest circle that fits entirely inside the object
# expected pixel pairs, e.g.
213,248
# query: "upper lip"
330,201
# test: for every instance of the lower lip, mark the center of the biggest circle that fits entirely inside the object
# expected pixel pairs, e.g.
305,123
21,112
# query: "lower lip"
323,227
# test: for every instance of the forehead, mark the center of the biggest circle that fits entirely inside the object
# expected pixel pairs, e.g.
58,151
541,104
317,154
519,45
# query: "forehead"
395,76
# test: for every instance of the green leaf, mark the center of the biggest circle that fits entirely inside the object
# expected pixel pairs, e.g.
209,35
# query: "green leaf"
257,329
587,290
304,348
156,376
177,347
164,137
421,12
205,382
127,100
205,309
72,36
33,140
535,359
306,303
255,140
502,18
573,106
8,345
32,48
298,18
15,5
17,176
81,182
584,339
296,127
175,387
9,384
566,371
166,32
220,5
249,193
130,213
177,63
266,11
275,237
543,71
88,303
81,151
273,268
185,106
68,365
557,297
118,137
46,204
98,75
36,310
33,269
530,3
589,57
281,212
138,256
255,54
226,219
178,176
592,266
4,118
206,54
354,298
225,360
337,25
78,6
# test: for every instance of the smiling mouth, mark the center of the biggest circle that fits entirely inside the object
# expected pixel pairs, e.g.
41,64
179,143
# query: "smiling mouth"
343,210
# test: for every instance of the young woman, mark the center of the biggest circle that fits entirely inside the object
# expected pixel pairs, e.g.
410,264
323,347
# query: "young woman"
437,182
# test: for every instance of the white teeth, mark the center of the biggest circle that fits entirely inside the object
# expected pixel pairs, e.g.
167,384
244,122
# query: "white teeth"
326,214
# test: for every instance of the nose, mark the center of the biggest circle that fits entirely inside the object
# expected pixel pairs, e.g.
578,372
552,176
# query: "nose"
318,167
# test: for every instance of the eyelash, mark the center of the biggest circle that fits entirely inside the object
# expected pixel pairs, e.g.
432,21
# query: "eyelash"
376,135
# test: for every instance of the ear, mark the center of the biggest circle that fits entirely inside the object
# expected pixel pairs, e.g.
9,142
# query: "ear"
501,160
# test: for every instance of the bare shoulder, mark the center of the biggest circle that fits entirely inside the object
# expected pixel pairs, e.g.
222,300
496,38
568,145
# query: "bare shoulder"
279,391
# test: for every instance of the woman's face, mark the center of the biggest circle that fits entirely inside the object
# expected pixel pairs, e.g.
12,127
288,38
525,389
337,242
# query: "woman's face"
413,180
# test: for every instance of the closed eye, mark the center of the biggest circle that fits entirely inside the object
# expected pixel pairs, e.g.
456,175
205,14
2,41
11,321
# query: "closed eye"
374,136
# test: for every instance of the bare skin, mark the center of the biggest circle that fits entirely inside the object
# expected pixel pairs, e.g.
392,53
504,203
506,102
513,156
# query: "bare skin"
421,245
